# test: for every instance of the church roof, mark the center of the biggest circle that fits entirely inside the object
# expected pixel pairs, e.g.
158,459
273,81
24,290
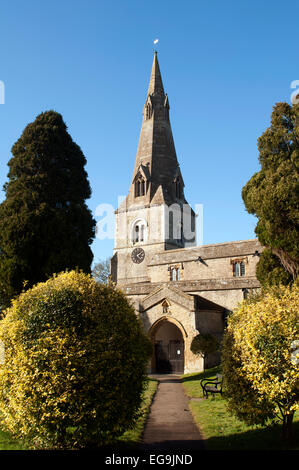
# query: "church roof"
169,293
190,301
204,253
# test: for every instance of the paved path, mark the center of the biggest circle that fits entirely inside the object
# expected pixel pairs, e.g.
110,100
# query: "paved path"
170,425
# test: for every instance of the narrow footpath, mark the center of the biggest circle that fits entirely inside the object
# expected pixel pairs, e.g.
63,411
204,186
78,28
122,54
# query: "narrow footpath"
170,424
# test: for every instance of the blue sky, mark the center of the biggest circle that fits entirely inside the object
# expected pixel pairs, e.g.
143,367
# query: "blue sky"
224,65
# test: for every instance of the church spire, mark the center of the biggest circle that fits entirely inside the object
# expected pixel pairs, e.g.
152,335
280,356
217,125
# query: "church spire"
157,188
156,176
155,84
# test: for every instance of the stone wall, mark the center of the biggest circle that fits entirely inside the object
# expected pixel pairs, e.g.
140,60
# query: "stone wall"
211,277
206,273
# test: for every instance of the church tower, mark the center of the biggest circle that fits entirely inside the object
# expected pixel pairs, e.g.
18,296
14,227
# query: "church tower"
155,215
178,290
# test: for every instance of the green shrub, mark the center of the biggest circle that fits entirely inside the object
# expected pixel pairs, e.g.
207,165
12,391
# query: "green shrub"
260,369
204,344
74,369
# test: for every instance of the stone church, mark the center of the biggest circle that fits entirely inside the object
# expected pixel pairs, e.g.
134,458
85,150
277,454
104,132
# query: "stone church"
178,289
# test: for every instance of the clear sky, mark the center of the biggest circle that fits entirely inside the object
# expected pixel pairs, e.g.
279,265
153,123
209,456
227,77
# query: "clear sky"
224,65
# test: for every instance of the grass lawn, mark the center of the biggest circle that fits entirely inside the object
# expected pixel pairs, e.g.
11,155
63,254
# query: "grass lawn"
223,431
8,443
128,439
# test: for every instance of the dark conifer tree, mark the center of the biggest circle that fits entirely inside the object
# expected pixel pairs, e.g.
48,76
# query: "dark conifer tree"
272,194
45,224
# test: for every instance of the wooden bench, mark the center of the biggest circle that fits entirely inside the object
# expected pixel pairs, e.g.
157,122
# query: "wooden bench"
211,385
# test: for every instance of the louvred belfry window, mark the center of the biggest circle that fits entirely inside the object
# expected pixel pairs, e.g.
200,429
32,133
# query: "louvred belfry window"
136,233
139,231
139,187
148,111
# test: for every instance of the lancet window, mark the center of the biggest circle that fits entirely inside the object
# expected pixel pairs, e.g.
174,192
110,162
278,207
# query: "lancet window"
177,186
175,274
139,187
148,111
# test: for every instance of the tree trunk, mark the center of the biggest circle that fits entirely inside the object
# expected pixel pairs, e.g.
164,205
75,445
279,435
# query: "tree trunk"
287,428
290,265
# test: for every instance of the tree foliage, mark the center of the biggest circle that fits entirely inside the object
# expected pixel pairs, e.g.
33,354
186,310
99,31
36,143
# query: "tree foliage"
101,271
204,344
45,225
261,377
270,271
272,194
74,369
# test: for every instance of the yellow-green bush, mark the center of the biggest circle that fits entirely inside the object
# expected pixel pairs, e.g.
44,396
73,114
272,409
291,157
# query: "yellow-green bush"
261,377
74,368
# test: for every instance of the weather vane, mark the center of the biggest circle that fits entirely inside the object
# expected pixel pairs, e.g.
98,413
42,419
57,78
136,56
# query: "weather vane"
156,41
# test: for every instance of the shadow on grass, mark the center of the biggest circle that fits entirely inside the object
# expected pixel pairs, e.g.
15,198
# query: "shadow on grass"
201,375
263,439
223,431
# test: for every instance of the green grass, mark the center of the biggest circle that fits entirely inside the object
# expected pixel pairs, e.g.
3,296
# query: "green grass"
129,439
8,443
222,431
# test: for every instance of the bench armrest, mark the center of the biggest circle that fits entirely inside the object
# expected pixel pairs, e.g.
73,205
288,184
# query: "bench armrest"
209,380
213,383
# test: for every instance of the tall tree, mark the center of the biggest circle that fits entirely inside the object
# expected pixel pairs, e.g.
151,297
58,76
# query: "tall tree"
272,195
45,224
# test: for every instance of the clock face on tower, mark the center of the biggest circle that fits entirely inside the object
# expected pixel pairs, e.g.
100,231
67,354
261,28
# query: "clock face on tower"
138,255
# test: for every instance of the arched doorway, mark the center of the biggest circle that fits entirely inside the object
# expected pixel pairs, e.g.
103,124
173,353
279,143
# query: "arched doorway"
168,348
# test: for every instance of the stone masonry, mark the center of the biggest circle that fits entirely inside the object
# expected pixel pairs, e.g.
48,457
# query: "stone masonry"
178,289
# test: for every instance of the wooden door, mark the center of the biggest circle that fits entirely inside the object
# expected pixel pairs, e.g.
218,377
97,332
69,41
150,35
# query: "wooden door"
176,356
162,360
169,357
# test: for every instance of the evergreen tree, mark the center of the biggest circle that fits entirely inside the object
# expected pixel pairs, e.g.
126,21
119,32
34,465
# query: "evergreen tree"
272,195
45,224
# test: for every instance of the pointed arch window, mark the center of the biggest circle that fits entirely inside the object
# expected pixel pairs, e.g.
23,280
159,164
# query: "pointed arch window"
177,187
139,187
148,111
175,274
166,108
